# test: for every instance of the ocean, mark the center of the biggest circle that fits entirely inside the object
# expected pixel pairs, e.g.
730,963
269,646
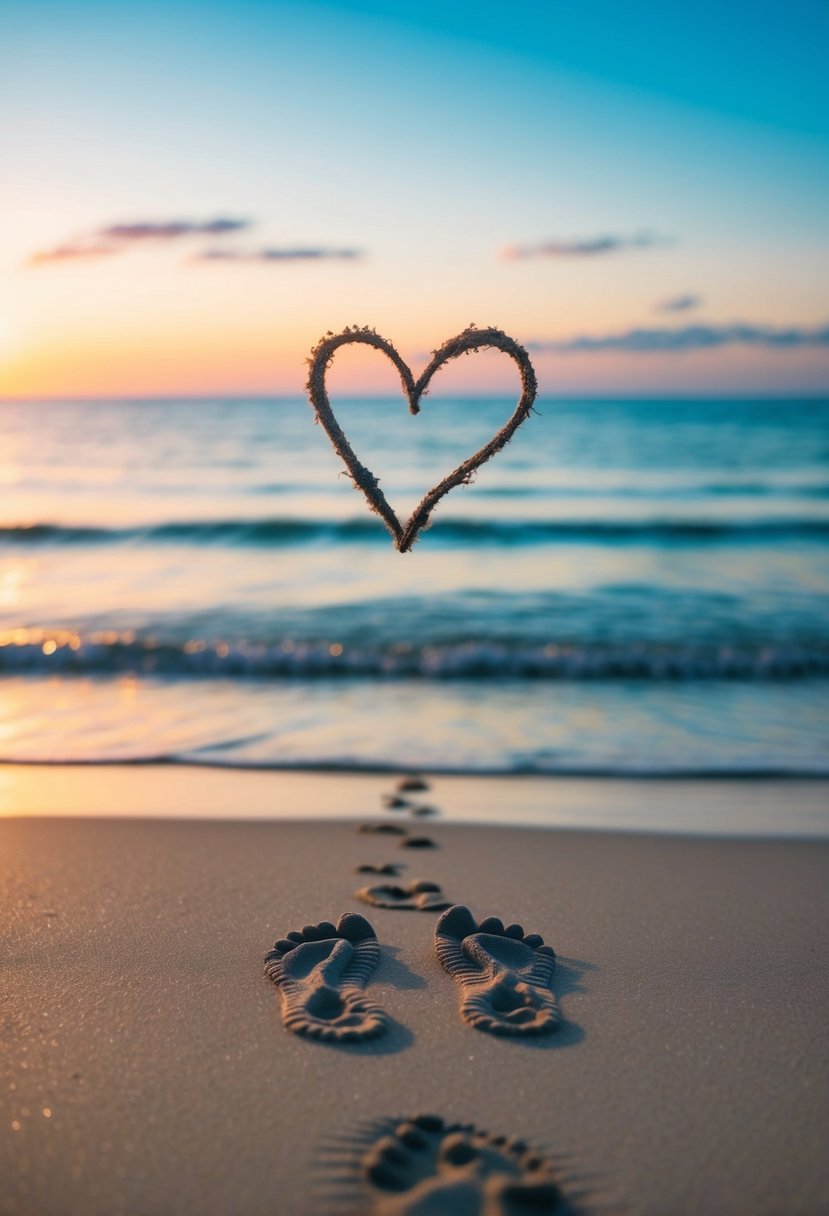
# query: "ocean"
632,587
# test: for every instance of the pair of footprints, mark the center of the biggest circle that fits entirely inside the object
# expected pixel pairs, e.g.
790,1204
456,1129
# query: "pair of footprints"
503,974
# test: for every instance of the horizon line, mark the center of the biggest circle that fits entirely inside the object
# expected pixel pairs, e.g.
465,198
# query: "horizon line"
185,398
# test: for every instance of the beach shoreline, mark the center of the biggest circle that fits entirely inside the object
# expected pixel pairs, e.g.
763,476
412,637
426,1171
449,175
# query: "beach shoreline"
707,806
689,1073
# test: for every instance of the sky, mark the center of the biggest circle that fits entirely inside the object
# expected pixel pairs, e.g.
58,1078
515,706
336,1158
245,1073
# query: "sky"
193,193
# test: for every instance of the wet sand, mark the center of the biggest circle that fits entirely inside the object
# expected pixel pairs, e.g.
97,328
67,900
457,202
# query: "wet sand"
146,1069
712,806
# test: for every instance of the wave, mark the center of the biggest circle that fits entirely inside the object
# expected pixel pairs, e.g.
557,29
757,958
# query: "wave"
639,772
296,531
40,652
593,489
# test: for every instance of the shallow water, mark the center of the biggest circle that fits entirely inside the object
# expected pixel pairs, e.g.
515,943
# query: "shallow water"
630,587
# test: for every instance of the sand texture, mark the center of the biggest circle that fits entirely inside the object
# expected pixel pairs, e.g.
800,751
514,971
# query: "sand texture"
146,1069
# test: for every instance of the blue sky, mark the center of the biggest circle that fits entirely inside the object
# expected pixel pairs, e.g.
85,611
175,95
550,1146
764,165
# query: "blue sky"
633,156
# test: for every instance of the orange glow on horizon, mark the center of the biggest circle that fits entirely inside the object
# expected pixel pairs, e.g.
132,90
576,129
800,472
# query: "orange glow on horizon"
195,369
178,332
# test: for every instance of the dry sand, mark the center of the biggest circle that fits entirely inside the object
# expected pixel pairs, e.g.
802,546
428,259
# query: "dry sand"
145,1069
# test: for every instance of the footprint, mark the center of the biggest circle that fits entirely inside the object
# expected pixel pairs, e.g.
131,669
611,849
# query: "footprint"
424,810
386,829
504,976
393,802
320,973
419,896
390,869
418,842
427,1166
412,783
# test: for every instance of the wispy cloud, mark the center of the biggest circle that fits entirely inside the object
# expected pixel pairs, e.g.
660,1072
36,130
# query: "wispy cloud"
679,303
71,253
112,239
172,230
688,338
301,254
585,247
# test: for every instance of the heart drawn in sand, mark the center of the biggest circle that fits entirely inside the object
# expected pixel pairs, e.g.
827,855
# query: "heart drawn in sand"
471,339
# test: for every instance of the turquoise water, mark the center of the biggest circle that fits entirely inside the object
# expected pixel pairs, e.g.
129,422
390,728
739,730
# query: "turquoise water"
631,586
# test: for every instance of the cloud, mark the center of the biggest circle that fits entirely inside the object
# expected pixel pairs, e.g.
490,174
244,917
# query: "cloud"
679,303
71,253
170,230
302,254
588,247
117,238
687,338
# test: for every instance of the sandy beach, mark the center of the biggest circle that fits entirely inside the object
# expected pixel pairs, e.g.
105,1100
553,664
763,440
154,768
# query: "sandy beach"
146,1069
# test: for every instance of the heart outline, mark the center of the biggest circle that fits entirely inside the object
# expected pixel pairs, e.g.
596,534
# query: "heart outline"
470,339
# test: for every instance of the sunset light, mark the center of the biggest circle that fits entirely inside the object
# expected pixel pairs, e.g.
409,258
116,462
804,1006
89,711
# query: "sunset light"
150,247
